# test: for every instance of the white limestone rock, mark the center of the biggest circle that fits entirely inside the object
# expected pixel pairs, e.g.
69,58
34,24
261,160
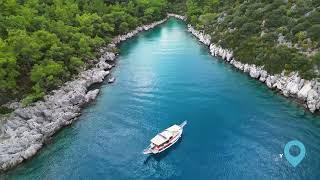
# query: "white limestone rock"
303,93
312,98
246,68
91,95
238,65
108,56
229,55
270,81
31,151
255,72
103,65
263,75
205,39
292,87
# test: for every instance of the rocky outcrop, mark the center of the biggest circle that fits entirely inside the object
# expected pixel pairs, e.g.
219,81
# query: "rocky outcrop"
26,129
183,18
290,85
205,39
91,95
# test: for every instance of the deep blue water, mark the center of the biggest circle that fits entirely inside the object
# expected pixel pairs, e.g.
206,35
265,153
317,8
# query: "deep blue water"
236,126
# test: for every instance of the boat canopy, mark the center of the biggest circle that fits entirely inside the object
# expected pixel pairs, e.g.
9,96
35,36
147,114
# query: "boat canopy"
159,139
174,128
165,135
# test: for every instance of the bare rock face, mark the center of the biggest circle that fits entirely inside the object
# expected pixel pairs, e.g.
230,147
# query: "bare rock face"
13,105
263,75
270,81
91,95
312,99
103,65
281,82
229,56
246,68
26,129
255,72
292,87
303,93
108,56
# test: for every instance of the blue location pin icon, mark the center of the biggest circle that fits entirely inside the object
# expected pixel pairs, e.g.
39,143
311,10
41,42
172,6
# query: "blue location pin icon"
294,160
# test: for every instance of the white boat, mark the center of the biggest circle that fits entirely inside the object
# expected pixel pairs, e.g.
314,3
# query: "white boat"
165,139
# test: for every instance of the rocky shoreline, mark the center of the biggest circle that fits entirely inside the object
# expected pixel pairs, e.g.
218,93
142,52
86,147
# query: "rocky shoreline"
27,129
183,18
292,85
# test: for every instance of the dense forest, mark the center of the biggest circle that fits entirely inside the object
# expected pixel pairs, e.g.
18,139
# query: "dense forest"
44,43
277,34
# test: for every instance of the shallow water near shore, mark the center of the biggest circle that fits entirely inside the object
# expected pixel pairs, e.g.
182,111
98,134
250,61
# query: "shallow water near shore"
236,128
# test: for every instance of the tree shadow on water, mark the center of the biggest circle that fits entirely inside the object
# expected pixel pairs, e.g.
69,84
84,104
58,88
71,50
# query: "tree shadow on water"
162,155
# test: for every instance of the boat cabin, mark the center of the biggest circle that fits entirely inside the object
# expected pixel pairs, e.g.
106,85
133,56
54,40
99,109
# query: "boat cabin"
165,136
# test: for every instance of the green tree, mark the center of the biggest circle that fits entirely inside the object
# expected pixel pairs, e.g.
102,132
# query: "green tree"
314,32
124,27
316,60
8,68
301,35
47,75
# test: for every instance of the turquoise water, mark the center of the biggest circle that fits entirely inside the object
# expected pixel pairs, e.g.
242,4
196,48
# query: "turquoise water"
236,126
